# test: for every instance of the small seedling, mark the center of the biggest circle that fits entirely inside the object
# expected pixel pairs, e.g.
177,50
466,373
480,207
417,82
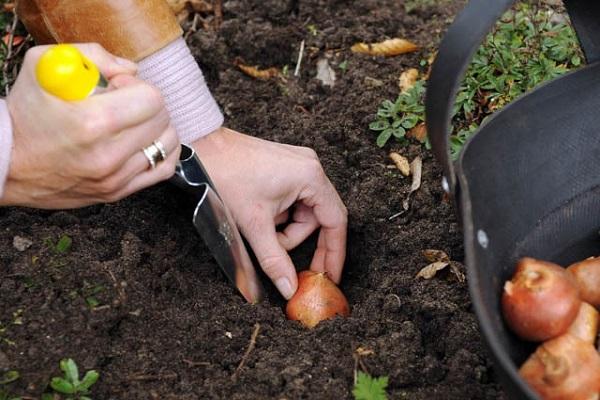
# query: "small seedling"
343,66
312,29
370,388
70,385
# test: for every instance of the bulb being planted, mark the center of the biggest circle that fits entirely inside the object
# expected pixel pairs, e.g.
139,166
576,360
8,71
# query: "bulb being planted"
541,300
316,299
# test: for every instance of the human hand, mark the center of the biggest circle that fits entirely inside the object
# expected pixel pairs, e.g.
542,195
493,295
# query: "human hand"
74,154
260,181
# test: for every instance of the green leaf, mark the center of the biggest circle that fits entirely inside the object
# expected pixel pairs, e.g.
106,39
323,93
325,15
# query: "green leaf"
383,137
379,125
47,396
84,398
62,386
369,388
399,132
9,376
89,379
70,369
64,244
92,302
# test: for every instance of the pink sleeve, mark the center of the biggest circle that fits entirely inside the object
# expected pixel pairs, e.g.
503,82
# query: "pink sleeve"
6,140
194,112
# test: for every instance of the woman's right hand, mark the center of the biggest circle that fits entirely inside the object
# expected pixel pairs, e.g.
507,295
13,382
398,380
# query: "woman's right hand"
74,154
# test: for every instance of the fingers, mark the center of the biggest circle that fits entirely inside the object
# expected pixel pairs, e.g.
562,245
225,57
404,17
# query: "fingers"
303,225
117,110
136,163
331,214
272,257
163,171
331,252
108,64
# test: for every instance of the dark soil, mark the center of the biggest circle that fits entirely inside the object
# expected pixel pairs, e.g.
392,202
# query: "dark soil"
168,324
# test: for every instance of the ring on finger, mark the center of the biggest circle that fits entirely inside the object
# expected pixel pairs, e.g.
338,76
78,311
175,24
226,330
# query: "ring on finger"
155,153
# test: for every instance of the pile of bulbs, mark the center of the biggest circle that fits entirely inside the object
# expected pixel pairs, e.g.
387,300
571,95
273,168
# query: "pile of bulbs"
546,303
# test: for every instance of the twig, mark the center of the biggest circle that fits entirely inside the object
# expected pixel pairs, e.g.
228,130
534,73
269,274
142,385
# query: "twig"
192,364
9,53
218,11
159,377
300,55
194,27
248,351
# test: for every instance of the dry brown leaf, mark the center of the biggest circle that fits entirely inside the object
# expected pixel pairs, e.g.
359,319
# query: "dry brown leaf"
432,269
432,255
430,61
419,132
390,47
439,260
9,7
257,73
408,79
401,163
363,351
182,8
17,40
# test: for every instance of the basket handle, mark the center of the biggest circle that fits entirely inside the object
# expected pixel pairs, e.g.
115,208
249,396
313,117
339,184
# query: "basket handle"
456,51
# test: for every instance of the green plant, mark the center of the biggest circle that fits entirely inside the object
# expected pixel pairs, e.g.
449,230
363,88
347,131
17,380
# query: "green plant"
5,379
70,385
525,49
370,388
395,118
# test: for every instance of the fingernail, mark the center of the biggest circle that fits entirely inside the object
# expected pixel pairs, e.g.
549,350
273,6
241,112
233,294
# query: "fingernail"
285,287
126,63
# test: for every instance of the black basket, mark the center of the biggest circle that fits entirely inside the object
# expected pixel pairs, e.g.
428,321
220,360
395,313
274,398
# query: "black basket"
528,182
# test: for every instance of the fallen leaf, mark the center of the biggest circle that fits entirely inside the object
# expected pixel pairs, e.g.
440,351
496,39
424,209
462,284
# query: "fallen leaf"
430,61
363,351
416,169
390,47
9,7
372,82
182,8
325,73
435,255
419,133
439,260
17,40
432,269
408,79
401,163
255,72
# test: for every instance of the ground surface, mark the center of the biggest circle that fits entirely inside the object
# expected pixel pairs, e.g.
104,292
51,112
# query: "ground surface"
169,326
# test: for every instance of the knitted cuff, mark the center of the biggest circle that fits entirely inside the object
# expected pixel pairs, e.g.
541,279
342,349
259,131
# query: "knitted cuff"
173,70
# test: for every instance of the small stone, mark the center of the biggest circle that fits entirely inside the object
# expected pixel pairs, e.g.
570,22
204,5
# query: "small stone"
21,243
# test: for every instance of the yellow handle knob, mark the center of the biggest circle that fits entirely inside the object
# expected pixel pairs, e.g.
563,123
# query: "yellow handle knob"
66,73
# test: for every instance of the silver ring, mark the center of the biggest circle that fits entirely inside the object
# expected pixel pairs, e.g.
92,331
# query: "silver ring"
161,148
154,153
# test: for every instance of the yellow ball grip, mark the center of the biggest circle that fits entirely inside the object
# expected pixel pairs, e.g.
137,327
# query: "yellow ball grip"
65,72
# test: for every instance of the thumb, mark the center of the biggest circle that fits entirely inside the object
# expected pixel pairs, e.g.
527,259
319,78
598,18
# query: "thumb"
273,259
108,64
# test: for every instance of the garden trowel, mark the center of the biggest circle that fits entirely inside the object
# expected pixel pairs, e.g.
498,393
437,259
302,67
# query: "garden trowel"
66,73
215,225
